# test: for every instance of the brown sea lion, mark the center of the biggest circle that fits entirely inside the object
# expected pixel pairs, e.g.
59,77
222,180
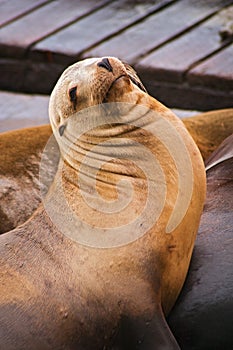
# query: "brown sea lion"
19,174
20,160
202,317
127,267
210,129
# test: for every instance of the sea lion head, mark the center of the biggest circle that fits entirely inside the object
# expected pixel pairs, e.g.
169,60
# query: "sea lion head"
92,82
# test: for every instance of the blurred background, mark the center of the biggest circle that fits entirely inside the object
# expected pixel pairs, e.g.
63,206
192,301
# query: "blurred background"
181,49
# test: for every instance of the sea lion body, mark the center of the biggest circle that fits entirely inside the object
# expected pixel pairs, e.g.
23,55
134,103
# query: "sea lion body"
67,295
20,190
56,294
59,293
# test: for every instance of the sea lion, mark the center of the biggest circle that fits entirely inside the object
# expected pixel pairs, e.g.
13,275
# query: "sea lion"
20,190
202,317
19,174
59,293
210,129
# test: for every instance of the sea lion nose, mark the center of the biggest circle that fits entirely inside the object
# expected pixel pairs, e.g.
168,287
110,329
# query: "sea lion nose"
105,64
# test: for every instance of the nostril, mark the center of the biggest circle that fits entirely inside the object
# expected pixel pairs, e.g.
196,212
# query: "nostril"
105,64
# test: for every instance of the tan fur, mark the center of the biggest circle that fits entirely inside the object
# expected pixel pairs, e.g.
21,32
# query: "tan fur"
210,129
19,173
85,294
20,158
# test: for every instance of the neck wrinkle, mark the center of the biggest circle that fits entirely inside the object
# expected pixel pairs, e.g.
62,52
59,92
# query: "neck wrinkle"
104,154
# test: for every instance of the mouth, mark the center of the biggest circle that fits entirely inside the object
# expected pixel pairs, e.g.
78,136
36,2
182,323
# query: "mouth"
105,100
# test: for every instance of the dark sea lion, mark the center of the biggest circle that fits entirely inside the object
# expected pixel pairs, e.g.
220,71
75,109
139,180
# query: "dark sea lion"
202,317
58,293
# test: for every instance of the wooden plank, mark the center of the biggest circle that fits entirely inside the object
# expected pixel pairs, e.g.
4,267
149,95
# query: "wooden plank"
10,9
189,97
19,110
45,20
157,29
95,28
44,74
172,61
28,76
217,71
12,74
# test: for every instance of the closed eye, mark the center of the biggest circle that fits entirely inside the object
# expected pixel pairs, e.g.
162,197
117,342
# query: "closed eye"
73,96
138,83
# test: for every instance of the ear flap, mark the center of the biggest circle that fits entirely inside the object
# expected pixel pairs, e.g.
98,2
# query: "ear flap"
134,77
